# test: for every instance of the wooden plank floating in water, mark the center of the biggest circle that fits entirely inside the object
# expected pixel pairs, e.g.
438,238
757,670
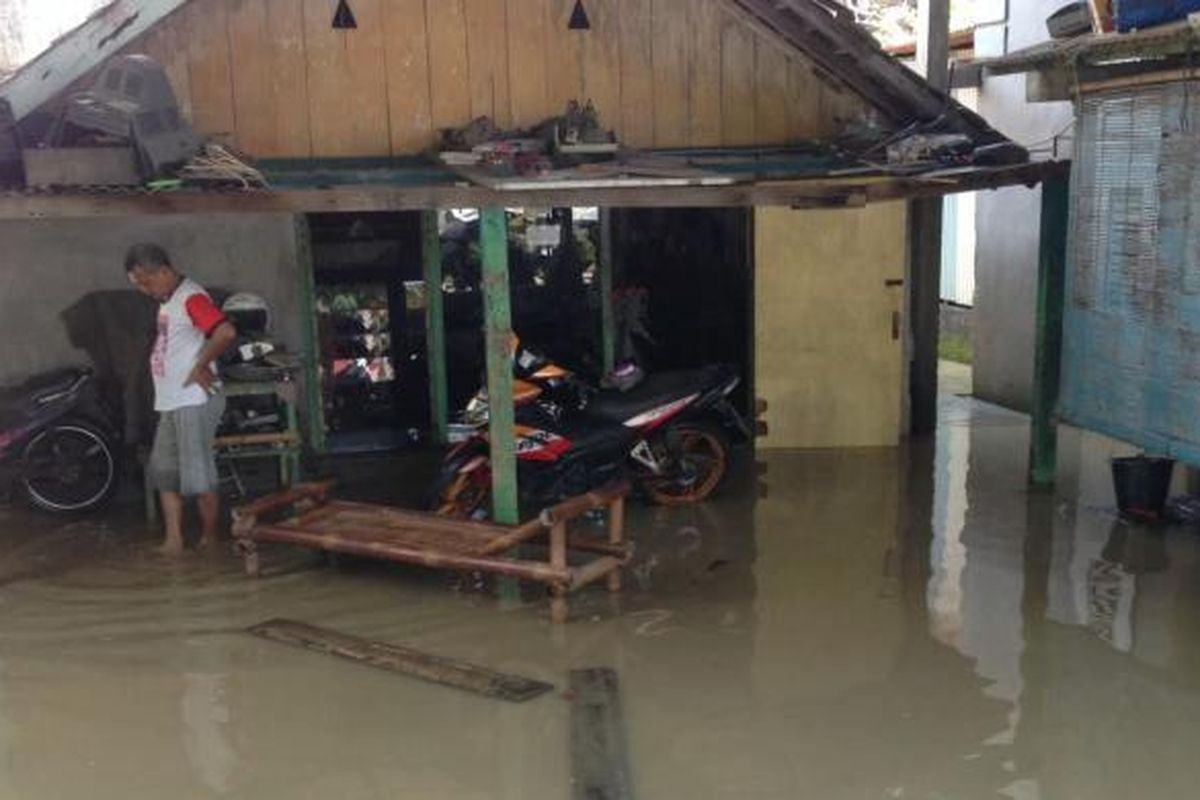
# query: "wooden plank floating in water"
403,660
599,759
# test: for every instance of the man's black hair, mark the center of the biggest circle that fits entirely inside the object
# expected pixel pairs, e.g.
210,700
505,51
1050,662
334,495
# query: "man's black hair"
146,254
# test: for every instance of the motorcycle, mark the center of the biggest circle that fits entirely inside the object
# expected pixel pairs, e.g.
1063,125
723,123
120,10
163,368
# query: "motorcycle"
58,447
670,433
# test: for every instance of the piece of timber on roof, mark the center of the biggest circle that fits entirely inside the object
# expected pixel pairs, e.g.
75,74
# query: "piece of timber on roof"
829,36
1094,49
78,52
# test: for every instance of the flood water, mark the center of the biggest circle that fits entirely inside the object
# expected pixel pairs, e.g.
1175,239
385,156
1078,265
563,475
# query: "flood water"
867,624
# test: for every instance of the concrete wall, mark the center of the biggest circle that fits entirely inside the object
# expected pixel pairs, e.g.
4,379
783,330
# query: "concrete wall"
828,328
48,265
1007,232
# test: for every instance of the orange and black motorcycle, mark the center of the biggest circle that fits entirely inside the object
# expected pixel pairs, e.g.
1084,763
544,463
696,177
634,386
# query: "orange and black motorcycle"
669,432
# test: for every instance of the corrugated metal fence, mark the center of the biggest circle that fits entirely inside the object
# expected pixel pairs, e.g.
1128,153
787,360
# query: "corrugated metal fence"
1131,357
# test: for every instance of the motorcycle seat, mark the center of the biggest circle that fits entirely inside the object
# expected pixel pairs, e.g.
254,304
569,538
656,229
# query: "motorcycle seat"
39,386
655,390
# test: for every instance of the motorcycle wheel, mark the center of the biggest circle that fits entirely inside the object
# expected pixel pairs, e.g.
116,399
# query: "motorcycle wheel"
69,468
462,496
697,459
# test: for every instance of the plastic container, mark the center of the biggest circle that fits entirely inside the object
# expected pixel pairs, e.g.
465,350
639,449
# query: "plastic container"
1133,14
1141,484
1072,19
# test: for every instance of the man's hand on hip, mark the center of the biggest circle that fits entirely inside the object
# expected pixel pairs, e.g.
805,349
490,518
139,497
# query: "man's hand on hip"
201,376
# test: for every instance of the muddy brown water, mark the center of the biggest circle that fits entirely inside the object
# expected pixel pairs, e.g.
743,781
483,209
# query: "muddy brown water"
871,624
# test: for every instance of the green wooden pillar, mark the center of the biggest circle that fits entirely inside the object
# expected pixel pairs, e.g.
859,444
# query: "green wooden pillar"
311,355
435,325
497,323
608,332
1052,259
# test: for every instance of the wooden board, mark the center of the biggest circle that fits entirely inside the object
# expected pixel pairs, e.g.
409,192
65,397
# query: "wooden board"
804,95
737,83
670,37
599,754
809,193
252,101
410,119
563,51
449,78
287,81
204,29
637,79
771,117
347,91
602,63
266,40
487,54
704,80
837,106
81,166
403,660
527,63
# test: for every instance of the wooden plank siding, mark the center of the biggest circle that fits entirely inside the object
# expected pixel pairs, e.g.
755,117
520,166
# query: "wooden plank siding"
738,95
637,74
410,116
275,78
204,31
704,76
487,60
771,112
670,59
562,50
602,62
347,81
528,90
270,93
449,78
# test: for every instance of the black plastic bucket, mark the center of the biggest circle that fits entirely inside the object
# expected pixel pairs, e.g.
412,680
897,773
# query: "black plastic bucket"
1142,483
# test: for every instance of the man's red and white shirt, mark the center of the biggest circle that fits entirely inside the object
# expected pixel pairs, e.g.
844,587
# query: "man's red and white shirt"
185,322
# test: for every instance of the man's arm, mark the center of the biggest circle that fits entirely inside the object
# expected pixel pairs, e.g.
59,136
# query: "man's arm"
220,340
221,335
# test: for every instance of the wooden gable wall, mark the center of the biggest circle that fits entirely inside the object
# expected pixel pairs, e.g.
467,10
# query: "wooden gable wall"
279,81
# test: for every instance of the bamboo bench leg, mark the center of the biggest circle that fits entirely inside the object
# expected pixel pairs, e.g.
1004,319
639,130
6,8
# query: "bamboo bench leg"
558,560
253,562
245,545
616,536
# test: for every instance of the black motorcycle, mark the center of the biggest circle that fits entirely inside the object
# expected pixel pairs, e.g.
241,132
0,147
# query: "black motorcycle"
669,432
58,445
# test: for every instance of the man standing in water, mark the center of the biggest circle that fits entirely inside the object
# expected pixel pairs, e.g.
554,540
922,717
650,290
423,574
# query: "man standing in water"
192,334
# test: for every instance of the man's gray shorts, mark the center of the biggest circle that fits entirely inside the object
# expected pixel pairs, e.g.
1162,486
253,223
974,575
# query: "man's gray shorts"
182,459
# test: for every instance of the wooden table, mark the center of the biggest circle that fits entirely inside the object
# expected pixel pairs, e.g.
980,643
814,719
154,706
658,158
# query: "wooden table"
307,516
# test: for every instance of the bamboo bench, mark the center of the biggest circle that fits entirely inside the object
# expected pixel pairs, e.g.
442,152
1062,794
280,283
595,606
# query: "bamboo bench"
307,516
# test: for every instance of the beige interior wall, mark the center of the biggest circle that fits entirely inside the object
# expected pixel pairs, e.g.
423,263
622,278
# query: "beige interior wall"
828,327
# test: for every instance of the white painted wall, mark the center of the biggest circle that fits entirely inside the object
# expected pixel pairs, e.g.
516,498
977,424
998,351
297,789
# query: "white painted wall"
1007,226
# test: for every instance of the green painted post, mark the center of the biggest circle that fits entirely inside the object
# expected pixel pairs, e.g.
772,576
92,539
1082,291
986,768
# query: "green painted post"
435,325
497,323
608,333
1052,259
314,408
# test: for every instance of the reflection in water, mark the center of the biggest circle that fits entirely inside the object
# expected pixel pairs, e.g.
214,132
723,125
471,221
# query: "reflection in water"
881,624
948,555
977,571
